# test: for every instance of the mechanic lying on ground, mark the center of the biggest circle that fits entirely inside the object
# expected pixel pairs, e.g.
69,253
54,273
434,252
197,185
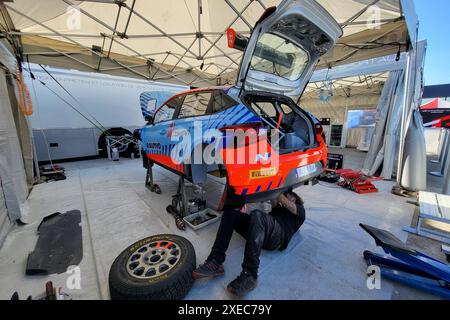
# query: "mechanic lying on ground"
271,231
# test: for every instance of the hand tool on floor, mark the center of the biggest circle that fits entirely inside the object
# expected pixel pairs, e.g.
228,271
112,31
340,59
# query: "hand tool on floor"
51,293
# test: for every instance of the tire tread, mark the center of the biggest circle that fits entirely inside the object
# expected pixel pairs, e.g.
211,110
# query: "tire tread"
175,287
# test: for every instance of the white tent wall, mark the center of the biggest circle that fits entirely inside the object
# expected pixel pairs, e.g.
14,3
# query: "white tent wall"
385,138
412,161
13,177
395,110
337,110
367,98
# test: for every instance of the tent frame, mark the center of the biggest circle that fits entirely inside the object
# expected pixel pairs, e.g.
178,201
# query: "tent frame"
406,63
200,38
407,12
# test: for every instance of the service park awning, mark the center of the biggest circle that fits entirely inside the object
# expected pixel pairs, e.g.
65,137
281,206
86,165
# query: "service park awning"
437,103
184,41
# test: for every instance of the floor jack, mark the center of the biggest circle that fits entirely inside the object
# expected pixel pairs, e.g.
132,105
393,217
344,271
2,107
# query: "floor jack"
408,266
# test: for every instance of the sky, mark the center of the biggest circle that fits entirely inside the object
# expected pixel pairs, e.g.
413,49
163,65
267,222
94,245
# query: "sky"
434,18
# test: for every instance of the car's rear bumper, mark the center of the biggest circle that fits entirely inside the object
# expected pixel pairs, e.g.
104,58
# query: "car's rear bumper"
248,180
292,181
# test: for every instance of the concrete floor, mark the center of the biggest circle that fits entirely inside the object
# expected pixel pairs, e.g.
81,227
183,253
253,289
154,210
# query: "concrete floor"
323,261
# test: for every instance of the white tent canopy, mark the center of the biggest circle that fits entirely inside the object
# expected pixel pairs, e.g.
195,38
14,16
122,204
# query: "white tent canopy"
353,86
184,42
188,36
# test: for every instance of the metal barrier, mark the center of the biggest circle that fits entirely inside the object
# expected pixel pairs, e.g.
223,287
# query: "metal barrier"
120,143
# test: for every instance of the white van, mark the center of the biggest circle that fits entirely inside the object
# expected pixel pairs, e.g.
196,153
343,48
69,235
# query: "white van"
72,114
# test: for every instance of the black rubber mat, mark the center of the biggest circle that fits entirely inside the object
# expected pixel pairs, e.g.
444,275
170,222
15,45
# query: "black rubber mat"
59,246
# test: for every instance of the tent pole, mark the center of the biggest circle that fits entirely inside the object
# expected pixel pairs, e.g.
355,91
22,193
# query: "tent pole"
250,26
200,11
359,14
73,41
223,52
147,21
229,26
405,110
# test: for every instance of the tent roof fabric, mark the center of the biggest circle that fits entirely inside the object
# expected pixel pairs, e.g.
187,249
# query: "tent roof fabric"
349,86
184,41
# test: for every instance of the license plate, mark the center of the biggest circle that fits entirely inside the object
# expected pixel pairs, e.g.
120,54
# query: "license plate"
306,170
263,173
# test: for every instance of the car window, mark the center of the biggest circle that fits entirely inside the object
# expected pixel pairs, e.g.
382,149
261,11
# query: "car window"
265,107
167,111
279,57
195,105
286,109
221,101
151,106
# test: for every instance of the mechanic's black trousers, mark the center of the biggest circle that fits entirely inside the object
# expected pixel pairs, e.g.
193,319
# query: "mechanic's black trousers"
260,230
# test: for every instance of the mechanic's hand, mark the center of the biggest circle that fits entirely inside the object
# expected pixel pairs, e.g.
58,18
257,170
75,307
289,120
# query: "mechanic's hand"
288,203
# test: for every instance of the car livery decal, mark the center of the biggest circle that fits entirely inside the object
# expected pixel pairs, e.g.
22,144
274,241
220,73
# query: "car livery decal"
238,114
163,145
158,96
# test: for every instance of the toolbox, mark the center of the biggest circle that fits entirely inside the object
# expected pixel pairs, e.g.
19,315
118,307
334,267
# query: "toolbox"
202,219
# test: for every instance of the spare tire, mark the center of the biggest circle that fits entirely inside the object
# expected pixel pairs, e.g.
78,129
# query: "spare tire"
155,268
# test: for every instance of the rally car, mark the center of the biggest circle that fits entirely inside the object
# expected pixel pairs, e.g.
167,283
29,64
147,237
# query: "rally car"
282,146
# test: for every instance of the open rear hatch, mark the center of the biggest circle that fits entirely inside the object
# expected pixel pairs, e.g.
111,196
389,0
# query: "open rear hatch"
279,59
285,46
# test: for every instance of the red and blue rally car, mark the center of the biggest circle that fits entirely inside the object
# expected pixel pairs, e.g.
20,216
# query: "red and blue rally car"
258,137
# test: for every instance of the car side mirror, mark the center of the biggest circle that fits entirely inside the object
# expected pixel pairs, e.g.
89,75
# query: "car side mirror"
137,134
149,118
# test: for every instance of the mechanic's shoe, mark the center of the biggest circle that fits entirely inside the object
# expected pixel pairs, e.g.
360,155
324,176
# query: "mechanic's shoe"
243,284
210,269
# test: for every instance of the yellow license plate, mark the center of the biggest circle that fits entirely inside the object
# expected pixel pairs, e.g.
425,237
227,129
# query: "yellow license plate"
263,173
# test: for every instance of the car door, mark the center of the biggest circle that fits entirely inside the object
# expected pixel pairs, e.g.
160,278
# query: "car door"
156,136
285,46
192,117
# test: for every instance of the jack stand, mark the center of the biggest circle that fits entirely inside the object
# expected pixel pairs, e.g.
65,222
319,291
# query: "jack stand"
182,204
179,201
153,187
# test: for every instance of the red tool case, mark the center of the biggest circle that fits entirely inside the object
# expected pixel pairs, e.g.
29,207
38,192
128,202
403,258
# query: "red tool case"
357,181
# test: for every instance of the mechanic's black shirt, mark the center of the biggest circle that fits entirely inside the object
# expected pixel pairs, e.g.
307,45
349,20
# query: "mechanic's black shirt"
290,222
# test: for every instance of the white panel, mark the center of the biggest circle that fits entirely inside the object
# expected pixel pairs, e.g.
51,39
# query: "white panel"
433,140
112,101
